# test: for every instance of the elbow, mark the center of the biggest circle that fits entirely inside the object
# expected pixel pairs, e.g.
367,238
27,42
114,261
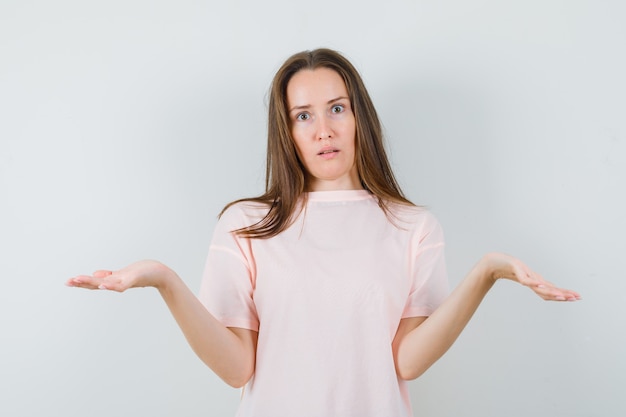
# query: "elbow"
408,373
237,382
235,376
238,378
235,370
409,367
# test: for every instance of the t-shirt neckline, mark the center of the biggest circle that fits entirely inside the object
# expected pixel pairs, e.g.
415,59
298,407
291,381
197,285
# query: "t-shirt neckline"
338,195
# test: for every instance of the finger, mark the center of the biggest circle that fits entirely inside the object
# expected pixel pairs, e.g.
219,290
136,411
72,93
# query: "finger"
83,281
527,277
551,293
571,295
113,282
102,273
567,293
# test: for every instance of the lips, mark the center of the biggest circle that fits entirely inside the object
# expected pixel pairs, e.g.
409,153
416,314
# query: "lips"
328,151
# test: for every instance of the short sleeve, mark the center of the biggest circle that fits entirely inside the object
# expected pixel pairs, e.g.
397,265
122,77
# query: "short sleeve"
229,275
429,280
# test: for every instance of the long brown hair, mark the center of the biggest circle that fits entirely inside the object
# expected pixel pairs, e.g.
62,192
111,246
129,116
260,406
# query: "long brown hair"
285,174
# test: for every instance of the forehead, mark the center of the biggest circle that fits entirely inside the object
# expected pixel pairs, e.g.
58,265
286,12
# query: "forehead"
310,87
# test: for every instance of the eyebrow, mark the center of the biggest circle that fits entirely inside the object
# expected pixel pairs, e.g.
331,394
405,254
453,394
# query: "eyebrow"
306,106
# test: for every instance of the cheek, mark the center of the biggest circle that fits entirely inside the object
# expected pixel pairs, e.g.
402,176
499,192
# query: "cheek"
350,128
300,145
297,141
299,133
303,136
351,132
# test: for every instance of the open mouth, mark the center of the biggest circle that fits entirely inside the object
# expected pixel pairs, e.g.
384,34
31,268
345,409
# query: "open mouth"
328,151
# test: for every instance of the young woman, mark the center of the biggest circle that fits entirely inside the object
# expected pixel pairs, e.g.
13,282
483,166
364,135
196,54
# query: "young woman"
324,295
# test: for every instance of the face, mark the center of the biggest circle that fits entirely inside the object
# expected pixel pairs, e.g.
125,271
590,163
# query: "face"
323,129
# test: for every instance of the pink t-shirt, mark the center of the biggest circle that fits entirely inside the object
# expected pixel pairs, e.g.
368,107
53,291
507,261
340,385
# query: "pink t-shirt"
326,296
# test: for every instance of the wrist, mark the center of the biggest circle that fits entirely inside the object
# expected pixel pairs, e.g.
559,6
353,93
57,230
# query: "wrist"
164,275
487,268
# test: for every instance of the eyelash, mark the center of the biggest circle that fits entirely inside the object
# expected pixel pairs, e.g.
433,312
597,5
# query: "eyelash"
306,116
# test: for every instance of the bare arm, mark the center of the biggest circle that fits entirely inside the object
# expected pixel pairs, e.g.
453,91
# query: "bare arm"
421,341
229,352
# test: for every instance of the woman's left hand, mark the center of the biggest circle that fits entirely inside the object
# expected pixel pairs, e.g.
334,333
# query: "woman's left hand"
499,265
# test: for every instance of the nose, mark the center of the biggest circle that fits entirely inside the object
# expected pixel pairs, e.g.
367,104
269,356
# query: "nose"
324,129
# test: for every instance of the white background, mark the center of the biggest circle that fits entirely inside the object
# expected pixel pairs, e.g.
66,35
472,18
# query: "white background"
125,126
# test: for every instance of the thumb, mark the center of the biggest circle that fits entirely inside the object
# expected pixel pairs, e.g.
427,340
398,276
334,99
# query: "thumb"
102,273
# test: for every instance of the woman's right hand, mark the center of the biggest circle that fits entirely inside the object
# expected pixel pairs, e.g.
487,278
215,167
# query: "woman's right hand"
139,274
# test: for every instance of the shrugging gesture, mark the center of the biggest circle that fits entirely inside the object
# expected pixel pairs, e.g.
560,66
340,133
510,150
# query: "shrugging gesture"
315,278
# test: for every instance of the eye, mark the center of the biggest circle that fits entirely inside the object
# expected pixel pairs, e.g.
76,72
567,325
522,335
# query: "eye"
303,116
337,108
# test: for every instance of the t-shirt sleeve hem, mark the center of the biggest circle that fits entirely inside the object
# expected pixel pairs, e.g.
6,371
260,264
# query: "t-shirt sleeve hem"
417,312
241,323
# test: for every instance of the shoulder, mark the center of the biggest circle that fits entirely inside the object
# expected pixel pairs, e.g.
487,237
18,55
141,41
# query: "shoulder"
417,220
244,210
243,213
412,215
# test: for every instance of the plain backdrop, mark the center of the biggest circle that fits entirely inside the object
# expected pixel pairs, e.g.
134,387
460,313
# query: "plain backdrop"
125,126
